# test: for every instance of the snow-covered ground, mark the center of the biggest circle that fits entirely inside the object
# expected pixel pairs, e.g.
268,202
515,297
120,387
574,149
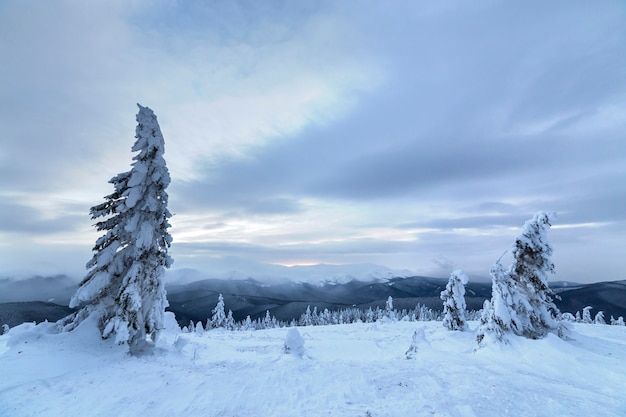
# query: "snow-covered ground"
347,370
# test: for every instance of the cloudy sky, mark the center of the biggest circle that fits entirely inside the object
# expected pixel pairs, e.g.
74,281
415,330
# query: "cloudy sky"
415,135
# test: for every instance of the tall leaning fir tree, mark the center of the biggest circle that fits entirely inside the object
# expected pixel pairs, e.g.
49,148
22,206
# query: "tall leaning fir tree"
521,300
124,283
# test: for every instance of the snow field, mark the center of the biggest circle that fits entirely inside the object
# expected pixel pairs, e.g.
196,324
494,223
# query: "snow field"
346,370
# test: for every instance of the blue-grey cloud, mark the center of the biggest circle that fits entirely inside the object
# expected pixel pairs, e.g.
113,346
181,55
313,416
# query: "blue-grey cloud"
414,134
19,218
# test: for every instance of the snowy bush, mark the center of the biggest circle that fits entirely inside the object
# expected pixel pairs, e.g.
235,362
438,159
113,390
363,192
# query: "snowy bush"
418,342
294,343
587,315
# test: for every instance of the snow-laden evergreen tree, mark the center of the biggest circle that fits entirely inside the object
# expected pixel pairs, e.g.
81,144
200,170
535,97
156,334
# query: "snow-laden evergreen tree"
389,311
218,319
124,283
587,315
315,317
230,323
305,319
532,263
199,329
499,314
521,300
247,324
599,319
453,298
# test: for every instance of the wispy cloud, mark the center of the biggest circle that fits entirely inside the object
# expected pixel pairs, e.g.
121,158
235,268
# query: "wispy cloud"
411,134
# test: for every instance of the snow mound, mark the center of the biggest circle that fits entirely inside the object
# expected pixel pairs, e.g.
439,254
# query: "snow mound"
294,343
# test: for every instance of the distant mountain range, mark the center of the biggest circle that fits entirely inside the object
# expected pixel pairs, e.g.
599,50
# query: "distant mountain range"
39,298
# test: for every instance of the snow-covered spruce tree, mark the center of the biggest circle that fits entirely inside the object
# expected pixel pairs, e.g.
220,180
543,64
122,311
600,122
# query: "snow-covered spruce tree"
199,329
453,298
599,319
587,315
218,319
124,283
305,318
389,311
521,300
499,314
532,263
230,322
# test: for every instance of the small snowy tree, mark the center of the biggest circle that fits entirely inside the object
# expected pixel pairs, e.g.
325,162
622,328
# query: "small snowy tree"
389,313
599,319
218,319
230,323
199,328
247,324
453,298
315,317
587,315
124,283
305,319
267,321
498,316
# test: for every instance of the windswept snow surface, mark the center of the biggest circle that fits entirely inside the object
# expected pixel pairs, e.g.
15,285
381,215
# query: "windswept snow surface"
346,370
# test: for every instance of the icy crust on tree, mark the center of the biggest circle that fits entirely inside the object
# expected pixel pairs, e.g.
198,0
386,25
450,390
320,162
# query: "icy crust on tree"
453,298
124,282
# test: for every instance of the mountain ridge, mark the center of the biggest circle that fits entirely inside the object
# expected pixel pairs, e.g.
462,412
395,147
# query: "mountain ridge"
286,300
